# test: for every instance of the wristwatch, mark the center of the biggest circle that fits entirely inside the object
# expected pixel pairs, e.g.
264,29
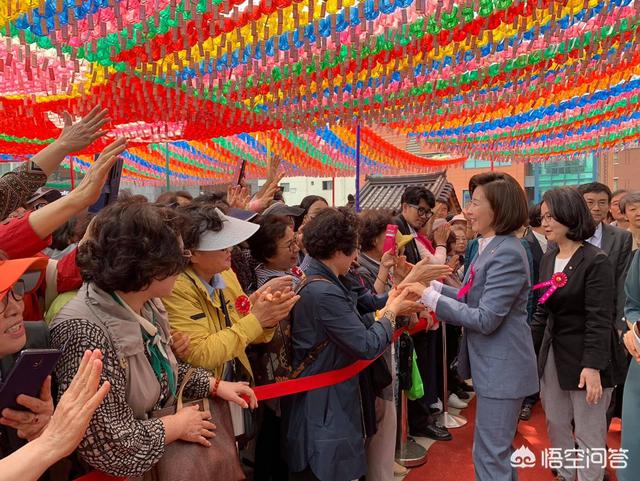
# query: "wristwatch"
392,318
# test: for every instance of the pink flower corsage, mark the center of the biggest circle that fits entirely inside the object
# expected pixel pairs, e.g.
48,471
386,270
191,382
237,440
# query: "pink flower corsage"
243,305
557,281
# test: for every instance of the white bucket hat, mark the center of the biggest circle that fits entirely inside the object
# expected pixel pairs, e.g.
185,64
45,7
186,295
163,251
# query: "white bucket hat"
234,231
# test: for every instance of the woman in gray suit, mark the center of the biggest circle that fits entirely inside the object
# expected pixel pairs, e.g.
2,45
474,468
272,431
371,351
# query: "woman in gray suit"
496,349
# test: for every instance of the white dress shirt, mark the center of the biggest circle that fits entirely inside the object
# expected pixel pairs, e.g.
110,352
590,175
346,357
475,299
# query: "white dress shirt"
484,242
542,240
596,239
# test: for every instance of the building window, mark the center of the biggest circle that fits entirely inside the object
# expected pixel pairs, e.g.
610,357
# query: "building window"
285,186
466,198
472,163
615,183
327,184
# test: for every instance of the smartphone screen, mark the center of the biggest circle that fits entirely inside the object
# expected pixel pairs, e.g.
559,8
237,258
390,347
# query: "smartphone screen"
29,372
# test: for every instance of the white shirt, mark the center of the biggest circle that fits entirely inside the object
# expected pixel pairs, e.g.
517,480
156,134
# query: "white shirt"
596,239
561,264
484,242
542,240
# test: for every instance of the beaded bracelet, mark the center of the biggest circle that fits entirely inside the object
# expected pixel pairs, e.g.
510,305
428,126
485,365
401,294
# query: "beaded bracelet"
214,391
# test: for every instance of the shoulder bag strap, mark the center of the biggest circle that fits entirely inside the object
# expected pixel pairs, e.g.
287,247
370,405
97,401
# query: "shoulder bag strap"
316,350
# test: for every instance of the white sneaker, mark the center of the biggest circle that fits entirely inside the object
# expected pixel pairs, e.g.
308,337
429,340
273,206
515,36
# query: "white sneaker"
456,402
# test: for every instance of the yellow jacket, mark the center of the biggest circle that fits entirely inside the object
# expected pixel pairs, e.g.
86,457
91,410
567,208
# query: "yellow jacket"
193,312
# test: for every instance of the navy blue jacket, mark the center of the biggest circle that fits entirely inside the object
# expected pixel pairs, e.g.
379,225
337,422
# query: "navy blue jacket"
324,428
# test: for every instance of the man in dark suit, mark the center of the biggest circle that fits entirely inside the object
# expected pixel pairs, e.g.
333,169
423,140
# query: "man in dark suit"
615,242
538,244
618,245
417,209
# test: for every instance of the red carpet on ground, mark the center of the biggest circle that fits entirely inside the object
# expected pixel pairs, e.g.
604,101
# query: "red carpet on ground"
451,461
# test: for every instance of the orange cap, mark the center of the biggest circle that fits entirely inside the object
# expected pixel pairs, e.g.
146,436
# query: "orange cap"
11,271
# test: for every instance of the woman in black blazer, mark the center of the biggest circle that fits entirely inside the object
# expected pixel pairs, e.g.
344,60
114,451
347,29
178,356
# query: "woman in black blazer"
573,329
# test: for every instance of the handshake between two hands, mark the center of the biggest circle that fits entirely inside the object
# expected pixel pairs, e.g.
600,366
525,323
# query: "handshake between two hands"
404,299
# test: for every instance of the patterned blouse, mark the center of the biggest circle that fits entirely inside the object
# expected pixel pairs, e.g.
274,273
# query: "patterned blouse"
116,442
17,187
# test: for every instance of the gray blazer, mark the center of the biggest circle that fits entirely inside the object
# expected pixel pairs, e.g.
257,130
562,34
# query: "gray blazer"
496,348
618,245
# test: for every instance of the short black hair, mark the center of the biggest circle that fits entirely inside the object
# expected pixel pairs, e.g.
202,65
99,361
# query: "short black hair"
595,188
264,243
507,199
535,216
332,230
305,205
415,193
373,222
62,236
132,244
202,217
309,200
568,207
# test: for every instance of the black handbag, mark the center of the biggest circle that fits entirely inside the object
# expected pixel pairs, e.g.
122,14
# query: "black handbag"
405,361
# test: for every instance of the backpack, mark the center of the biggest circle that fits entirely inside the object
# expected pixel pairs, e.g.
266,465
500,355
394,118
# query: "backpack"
272,362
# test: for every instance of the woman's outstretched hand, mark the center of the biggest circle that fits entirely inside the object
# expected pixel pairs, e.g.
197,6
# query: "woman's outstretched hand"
76,407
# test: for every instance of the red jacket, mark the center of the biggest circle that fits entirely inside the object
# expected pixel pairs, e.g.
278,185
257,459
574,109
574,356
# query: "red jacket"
18,240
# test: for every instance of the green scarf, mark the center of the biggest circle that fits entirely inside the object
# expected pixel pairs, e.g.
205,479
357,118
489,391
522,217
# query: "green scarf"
159,359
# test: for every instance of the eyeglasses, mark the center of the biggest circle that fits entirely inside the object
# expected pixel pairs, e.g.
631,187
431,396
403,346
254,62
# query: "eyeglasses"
546,217
422,212
39,206
291,246
16,291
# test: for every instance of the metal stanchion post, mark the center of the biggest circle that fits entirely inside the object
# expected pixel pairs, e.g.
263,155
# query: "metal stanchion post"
447,419
408,453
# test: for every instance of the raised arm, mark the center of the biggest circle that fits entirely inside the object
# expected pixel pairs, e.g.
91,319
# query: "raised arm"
344,327
46,220
506,276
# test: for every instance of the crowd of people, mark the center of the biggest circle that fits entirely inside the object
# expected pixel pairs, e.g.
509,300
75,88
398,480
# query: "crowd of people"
153,303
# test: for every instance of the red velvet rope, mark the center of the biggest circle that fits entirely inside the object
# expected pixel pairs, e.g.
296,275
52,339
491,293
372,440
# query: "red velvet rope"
294,386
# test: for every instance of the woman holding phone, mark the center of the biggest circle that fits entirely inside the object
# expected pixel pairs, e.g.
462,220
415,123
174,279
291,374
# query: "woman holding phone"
496,348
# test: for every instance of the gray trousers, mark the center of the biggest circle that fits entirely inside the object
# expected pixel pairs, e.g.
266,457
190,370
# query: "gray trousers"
496,424
561,407
381,447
